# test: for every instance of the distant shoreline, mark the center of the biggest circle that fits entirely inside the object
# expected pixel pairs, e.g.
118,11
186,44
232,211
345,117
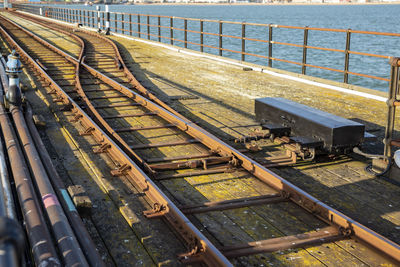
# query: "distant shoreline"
227,4
266,4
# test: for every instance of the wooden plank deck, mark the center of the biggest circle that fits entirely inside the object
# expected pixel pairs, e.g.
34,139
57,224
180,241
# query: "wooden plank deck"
220,97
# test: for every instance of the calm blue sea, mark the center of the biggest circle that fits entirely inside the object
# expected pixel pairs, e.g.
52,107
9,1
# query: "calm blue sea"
382,18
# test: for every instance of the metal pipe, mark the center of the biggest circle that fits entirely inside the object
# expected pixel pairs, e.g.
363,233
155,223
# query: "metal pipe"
67,243
88,247
7,207
40,240
10,252
43,250
66,240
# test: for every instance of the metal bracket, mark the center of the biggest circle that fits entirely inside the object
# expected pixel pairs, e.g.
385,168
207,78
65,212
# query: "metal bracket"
122,170
101,149
67,107
58,100
158,210
87,131
76,118
346,231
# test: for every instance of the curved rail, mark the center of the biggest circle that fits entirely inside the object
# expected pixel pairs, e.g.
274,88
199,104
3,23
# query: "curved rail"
120,63
196,241
163,207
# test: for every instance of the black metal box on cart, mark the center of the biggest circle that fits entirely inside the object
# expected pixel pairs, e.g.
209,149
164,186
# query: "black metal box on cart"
336,133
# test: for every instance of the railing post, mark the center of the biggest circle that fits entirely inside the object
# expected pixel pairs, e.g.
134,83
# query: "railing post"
159,28
171,25
220,38
98,18
138,25
93,19
243,41
305,42
80,17
107,10
130,25
270,45
393,92
201,36
185,27
346,57
122,23
116,22
102,20
148,27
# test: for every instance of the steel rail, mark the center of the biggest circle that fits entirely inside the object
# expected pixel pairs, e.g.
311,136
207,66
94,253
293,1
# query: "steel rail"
65,237
196,241
294,193
131,78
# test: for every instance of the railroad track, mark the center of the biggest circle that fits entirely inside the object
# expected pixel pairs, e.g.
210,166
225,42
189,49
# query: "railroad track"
103,54
134,131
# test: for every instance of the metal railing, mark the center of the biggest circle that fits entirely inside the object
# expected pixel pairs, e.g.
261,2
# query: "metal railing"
205,34
393,102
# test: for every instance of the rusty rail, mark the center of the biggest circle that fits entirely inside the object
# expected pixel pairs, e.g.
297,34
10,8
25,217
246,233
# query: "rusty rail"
201,248
196,241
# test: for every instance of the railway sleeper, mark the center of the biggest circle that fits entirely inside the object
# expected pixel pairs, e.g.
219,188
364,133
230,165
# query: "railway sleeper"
325,235
228,168
191,163
233,203
143,128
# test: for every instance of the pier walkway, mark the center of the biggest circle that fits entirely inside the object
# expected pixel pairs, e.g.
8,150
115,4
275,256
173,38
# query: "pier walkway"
219,97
